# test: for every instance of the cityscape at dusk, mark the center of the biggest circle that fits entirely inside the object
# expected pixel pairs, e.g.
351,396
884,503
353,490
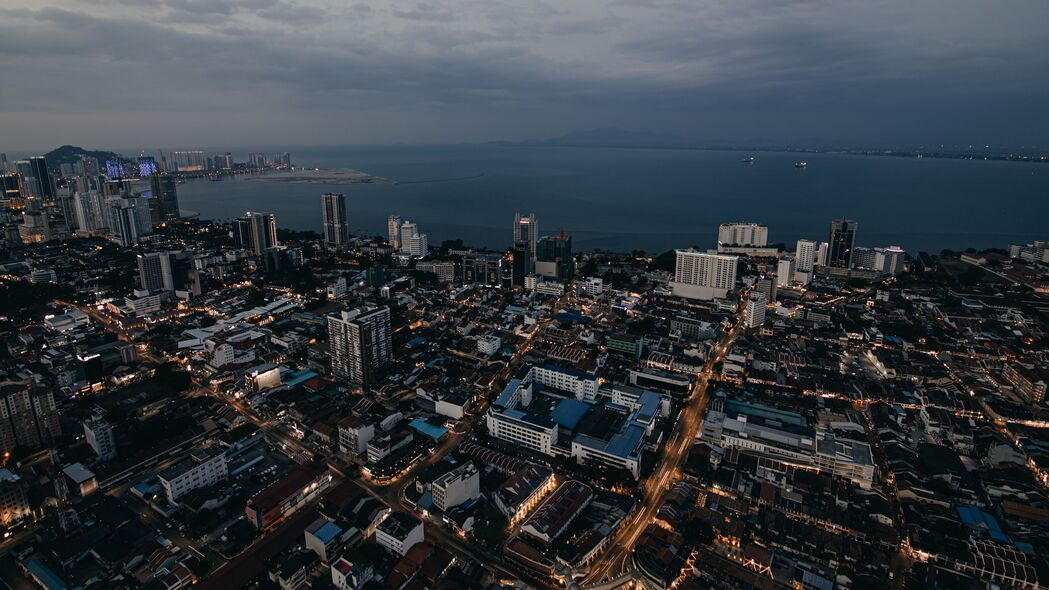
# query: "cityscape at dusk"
480,295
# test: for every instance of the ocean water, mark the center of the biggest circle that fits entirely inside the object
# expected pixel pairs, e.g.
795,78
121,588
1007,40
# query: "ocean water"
653,199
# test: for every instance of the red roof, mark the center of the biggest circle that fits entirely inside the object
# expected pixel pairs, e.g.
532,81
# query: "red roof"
287,486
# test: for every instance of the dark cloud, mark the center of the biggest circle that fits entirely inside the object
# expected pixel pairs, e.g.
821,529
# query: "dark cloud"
219,72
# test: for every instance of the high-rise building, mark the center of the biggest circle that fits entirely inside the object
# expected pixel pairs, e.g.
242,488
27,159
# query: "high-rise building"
361,343
887,260
14,502
393,229
699,275
523,265
154,272
842,241
821,254
526,229
785,271
755,315
147,166
333,213
242,236
43,175
191,161
5,166
263,231
99,436
67,206
804,256
129,219
29,417
30,184
408,230
10,188
743,234
164,205
91,212
419,245
554,258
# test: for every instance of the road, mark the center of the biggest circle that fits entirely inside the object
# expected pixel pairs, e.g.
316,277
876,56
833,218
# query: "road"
616,561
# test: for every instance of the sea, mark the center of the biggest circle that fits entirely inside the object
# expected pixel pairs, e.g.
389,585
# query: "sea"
622,199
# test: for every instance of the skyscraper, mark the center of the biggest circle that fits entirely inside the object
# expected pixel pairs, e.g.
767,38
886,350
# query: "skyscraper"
805,255
842,241
393,229
523,265
165,198
699,275
9,187
404,240
91,213
554,257
43,176
785,271
30,184
129,219
333,212
263,231
147,166
242,233
154,272
526,229
360,342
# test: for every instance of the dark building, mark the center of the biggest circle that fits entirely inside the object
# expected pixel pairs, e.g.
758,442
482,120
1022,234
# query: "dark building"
9,189
554,257
163,207
43,176
523,263
483,269
242,235
333,213
841,243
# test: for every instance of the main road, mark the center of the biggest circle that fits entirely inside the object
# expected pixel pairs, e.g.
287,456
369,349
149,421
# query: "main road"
616,561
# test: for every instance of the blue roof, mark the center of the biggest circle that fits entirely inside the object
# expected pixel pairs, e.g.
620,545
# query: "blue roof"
569,412
43,574
327,532
427,429
297,377
426,501
416,341
508,392
572,315
975,518
626,441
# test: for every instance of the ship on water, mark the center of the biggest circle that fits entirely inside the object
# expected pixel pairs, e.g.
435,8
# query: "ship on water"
748,160
801,164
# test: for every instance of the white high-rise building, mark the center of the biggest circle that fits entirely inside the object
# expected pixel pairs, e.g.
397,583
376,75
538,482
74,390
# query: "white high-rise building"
99,436
743,234
418,245
756,305
154,272
821,254
805,255
333,214
785,271
457,486
408,230
91,212
393,229
361,342
700,275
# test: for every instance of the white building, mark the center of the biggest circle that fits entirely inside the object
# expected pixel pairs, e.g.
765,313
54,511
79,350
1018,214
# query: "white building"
822,253
699,275
459,485
489,345
592,286
99,435
419,245
399,532
785,271
360,341
354,436
408,230
756,305
743,234
154,272
199,469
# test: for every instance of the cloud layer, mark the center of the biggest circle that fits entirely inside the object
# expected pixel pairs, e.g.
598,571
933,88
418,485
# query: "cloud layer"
309,72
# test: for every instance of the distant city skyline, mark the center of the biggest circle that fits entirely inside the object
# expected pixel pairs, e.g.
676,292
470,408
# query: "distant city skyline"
453,71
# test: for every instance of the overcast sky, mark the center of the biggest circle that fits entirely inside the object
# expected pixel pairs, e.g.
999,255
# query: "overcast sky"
212,73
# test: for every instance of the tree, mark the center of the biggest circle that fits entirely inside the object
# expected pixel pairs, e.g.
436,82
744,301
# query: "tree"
666,261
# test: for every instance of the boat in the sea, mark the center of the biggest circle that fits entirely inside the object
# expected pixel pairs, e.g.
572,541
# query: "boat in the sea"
801,164
748,160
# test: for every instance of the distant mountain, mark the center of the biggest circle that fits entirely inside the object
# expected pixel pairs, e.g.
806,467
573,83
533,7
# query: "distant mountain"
611,137
69,154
